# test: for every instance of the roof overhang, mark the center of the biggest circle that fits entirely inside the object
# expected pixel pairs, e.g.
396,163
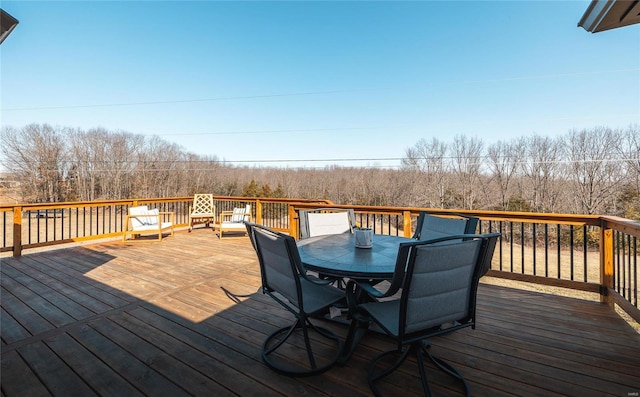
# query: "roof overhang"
610,14
7,24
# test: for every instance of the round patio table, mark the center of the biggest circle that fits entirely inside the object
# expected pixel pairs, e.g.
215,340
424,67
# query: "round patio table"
336,255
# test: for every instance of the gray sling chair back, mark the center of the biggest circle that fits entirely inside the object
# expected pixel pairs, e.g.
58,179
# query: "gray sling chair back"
324,221
439,281
430,226
285,280
311,222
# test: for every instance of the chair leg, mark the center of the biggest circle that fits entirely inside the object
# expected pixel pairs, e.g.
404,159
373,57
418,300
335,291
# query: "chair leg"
281,335
445,366
372,377
423,373
419,347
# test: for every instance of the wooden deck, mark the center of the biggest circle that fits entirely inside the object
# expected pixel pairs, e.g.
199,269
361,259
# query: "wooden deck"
160,318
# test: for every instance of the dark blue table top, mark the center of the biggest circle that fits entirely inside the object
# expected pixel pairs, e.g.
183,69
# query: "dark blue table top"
336,255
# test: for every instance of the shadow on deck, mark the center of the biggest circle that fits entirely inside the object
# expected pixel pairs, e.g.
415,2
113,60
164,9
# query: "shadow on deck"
157,319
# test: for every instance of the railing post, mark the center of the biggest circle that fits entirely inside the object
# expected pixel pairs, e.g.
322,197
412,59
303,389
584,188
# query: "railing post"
606,265
259,212
406,221
17,231
293,222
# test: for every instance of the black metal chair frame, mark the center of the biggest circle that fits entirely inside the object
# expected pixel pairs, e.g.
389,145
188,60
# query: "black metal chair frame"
280,336
418,341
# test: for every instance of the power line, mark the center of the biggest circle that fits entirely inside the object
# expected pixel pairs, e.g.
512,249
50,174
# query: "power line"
223,162
267,131
193,100
330,163
327,92
352,159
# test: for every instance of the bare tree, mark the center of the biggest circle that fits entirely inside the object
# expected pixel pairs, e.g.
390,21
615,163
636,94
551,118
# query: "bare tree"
629,151
36,155
427,166
594,173
466,162
540,168
122,150
581,172
504,162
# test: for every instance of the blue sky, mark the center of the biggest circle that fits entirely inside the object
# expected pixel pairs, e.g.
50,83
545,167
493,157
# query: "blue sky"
251,81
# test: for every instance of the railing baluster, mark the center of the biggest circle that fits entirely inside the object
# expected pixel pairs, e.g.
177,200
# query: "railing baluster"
546,250
46,227
501,240
559,252
37,228
616,268
635,270
584,252
522,247
623,269
571,250
511,245
628,266
533,242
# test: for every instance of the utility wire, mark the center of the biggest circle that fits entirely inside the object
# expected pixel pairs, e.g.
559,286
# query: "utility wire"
193,100
413,159
327,92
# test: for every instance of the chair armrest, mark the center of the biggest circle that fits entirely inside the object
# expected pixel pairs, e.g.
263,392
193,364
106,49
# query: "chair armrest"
158,215
170,213
359,292
224,214
315,280
374,293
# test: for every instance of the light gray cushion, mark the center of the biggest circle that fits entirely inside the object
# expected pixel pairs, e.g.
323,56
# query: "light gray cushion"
138,221
152,220
238,215
328,223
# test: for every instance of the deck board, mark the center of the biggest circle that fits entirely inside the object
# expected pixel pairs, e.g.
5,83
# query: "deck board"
185,316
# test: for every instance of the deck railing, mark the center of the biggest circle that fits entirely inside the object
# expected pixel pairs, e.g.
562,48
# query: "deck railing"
596,254
26,226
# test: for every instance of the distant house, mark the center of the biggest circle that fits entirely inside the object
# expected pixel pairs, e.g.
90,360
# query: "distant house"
603,15
7,24
7,181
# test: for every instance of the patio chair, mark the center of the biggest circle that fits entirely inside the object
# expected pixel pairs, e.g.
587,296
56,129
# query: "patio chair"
285,280
429,226
202,211
325,221
233,221
438,280
142,220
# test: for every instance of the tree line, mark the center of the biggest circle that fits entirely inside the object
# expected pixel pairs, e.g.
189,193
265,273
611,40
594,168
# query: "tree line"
588,171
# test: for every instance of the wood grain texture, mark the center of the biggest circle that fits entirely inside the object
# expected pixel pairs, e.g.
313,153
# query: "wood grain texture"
185,316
